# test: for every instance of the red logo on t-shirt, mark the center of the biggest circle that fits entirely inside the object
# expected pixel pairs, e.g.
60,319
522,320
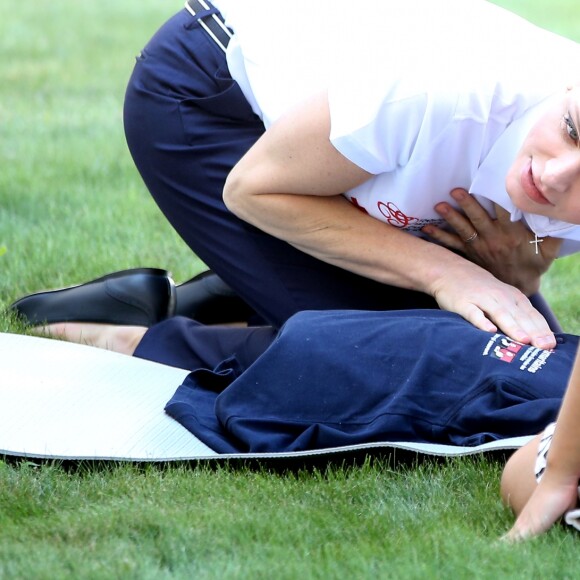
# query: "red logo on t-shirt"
506,352
394,215
396,218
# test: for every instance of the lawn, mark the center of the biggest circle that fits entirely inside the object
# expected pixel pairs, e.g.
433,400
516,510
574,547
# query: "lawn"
72,207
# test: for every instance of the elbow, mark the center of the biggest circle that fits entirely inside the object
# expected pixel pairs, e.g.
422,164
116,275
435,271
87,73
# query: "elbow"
232,193
242,196
235,195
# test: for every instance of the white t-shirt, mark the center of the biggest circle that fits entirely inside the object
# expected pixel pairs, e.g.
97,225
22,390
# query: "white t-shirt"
427,95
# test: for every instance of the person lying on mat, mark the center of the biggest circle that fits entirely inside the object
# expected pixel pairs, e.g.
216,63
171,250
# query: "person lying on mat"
335,155
335,378
467,387
540,481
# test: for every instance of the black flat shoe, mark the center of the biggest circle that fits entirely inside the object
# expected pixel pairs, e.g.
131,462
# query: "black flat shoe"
209,300
137,297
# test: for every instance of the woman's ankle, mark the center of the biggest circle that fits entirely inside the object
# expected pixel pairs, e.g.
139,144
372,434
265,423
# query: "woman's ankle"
121,339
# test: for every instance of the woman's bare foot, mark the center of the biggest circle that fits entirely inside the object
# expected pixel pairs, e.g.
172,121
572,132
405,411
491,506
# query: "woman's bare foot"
122,339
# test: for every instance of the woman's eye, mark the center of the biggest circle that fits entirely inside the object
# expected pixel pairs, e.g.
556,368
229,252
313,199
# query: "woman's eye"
571,128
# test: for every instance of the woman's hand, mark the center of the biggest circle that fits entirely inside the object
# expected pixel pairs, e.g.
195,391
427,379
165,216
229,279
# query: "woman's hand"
490,304
504,248
551,499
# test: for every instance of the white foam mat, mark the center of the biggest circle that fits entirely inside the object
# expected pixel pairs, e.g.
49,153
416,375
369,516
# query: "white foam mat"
68,401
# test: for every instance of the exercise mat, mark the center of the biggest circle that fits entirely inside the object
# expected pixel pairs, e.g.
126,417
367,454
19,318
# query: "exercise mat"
74,402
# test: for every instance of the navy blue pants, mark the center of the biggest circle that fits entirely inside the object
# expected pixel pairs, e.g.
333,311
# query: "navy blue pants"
187,124
329,379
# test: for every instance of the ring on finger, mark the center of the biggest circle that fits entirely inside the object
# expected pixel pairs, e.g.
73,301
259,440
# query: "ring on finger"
471,238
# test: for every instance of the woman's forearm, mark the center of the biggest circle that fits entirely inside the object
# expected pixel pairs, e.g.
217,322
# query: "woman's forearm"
334,231
540,506
564,455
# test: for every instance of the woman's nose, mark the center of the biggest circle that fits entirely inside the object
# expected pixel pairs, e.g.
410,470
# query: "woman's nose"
561,172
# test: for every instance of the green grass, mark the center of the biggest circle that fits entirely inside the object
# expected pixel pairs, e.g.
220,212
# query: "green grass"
433,521
72,203
73,207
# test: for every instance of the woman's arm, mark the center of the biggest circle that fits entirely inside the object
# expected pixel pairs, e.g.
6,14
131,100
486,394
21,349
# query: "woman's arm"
539,506
289,185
